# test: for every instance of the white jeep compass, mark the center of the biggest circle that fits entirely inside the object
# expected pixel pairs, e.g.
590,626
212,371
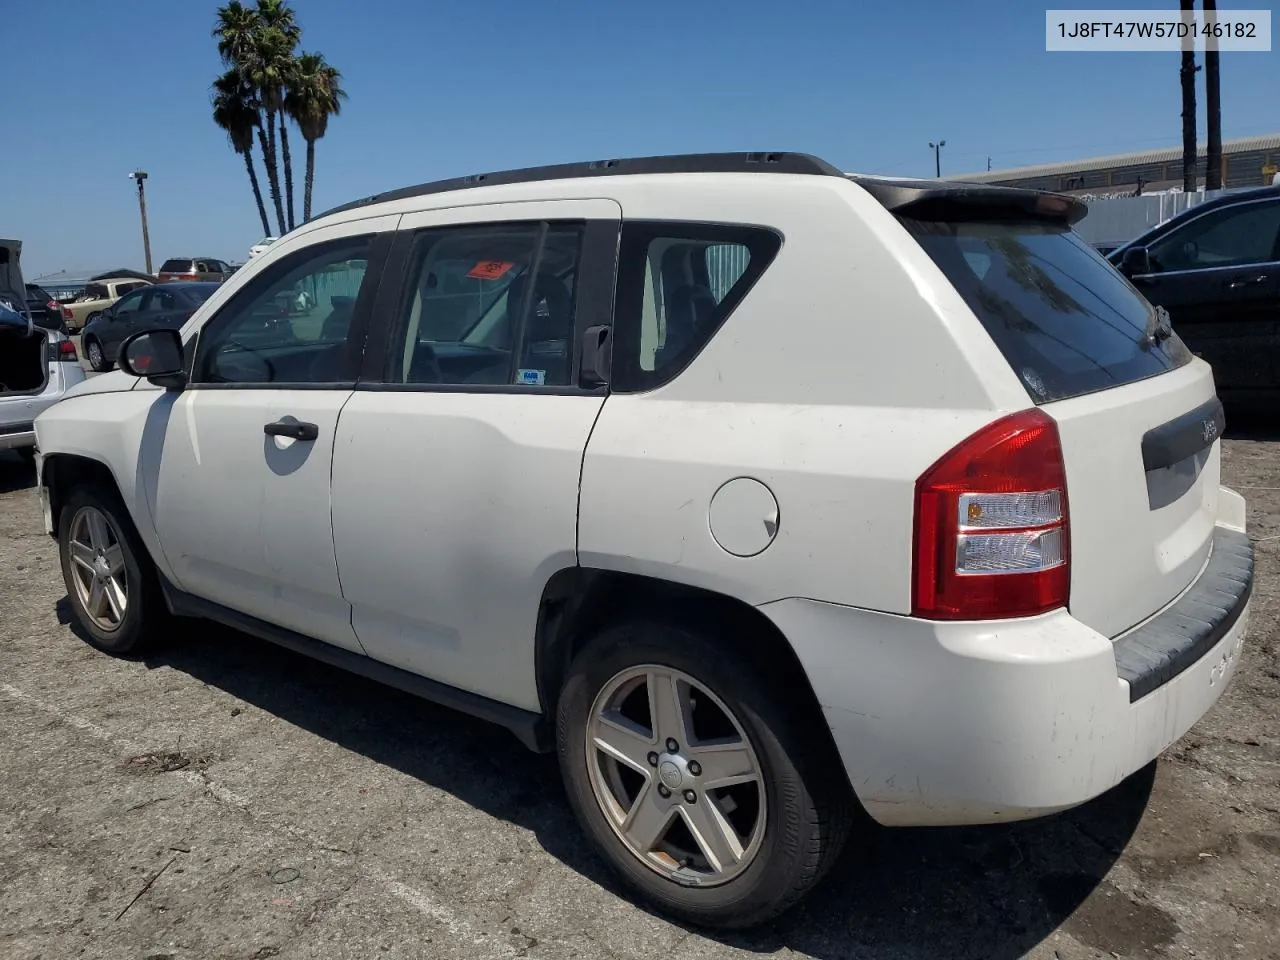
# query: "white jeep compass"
759,492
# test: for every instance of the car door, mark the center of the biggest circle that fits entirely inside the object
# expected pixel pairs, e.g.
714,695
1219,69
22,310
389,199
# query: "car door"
1218,275
241,460
122,320
458,457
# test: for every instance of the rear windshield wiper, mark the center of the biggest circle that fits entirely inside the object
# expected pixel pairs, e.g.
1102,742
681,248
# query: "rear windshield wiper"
1159,327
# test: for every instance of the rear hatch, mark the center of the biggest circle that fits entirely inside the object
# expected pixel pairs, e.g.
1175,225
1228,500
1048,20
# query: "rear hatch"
24,357
1138,417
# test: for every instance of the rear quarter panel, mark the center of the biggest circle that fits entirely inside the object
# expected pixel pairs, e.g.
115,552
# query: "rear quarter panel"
847,370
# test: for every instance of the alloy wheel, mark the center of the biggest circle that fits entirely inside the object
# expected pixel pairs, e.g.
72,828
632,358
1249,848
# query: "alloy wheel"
98,569
675,776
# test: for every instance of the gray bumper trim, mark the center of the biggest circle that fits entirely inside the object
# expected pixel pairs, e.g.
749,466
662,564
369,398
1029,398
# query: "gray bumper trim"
1164,646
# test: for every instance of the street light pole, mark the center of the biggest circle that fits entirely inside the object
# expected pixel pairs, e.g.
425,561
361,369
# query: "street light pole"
937,156
141,177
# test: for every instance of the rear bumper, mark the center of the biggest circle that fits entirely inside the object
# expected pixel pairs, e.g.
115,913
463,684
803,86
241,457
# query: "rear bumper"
958,723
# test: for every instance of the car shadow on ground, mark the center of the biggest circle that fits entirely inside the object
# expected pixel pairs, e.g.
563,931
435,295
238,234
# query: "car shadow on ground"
990,892
1252,421
15,472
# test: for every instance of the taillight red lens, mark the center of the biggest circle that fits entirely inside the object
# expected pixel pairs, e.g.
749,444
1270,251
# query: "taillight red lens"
66,350
991,527
67,314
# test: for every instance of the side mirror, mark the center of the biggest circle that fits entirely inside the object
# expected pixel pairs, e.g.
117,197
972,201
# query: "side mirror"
156,355
597,354
1136,262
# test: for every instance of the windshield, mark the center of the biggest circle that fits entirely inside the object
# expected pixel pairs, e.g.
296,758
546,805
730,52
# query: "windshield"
1066,321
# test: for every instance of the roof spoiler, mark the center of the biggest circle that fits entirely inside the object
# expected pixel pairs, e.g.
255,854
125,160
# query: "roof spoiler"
958,201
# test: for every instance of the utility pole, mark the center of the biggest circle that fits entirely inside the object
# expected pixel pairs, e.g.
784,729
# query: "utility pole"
988,164
141,177
1212,101
937,156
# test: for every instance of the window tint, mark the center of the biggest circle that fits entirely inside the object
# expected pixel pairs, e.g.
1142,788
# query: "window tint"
1248,233
677,283
175,266
94,291
291,324
1065,320
130,303
490,304
197,295
162,300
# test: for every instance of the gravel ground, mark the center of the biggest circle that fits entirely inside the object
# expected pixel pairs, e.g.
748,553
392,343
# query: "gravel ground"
226,799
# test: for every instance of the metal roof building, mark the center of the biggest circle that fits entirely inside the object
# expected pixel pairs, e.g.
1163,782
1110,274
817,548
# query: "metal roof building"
1247,162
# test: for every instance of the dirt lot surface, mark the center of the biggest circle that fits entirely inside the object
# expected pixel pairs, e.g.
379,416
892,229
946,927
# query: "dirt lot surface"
225,799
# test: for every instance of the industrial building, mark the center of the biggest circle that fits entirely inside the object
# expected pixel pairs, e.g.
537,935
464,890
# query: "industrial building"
1247,162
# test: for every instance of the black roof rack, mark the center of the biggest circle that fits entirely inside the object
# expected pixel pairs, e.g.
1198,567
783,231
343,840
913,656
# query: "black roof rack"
801,163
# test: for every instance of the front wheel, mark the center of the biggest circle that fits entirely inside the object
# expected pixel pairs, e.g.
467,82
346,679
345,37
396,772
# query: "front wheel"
97,357
706,789
114,590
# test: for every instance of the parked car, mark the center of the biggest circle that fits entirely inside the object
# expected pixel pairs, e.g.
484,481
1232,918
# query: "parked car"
1215,269
38,365
97,297
195,269
908,511
261,246
45,311
160,305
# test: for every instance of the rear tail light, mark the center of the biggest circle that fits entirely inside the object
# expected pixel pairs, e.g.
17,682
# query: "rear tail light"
63,351
53,306
67,314
991,526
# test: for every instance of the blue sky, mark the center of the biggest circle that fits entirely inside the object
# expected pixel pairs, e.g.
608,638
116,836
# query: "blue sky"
444,88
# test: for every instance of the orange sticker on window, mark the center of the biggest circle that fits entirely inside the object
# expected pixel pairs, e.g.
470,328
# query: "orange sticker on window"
489,269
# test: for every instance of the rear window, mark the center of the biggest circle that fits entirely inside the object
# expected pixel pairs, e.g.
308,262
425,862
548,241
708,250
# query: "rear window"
175,266
198,295
1067,322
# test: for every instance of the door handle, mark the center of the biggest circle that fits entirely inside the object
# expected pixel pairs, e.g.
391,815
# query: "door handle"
1239,282
295,429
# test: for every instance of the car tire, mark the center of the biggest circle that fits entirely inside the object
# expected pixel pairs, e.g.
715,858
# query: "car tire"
96,356
807,812
95,519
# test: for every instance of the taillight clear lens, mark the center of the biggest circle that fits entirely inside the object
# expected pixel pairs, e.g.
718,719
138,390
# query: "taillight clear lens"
991,534
67,350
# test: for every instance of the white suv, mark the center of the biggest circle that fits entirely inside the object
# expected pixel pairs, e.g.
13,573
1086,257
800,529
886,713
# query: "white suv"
761,492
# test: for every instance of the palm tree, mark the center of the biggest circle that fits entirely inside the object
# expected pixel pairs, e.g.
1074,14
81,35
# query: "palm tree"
236,112
1187,75
1212,104
267,68
275,15
234,31
315,94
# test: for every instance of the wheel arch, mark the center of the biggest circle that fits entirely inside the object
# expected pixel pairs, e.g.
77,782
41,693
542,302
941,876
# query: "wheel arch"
578,602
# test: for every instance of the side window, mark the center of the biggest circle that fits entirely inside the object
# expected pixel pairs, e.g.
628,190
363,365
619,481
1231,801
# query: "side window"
128,304
162,300
1232,236
291,324
489,304
677,283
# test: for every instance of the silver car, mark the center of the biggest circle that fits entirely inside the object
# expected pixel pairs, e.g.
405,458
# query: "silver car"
37,366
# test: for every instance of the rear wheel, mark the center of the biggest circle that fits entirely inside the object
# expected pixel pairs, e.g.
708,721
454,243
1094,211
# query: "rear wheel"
96,356
700,782
112,584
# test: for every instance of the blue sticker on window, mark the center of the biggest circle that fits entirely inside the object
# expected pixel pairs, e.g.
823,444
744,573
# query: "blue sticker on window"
535,378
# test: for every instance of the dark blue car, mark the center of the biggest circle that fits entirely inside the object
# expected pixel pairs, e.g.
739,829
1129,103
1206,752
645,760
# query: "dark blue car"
155,305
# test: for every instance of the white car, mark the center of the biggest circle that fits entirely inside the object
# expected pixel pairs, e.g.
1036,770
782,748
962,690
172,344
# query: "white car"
37,366
261,246
756,490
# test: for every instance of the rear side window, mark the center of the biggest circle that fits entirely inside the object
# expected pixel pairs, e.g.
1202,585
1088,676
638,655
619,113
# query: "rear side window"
677,284
1066,321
